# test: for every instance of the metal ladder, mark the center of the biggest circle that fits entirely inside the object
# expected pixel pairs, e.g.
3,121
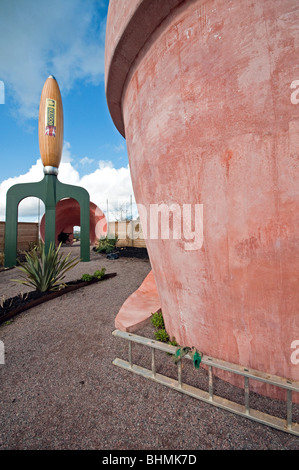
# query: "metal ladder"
286,425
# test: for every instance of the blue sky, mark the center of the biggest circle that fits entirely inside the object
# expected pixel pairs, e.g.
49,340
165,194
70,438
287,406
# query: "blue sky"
67,39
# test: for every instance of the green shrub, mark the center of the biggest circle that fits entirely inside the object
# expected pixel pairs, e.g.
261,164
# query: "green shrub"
157,320
99,273
45,271
161,335
106,245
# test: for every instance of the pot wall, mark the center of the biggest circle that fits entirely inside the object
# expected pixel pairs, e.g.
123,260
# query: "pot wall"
206,108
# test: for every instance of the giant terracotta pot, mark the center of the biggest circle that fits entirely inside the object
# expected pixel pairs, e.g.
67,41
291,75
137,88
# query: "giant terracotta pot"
68,216
201,90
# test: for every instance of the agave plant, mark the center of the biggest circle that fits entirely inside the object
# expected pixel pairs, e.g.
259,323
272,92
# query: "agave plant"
45,270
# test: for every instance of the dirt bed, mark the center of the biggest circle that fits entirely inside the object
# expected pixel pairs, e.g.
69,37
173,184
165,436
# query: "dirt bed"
60,390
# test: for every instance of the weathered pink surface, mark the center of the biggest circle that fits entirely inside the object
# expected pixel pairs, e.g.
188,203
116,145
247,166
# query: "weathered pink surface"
139,306
129,24
68,216
206,110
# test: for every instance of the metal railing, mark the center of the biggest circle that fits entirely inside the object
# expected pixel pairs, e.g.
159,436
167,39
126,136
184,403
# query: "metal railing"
286,425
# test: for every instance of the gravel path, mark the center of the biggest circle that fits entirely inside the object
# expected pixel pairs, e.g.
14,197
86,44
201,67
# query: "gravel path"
60,390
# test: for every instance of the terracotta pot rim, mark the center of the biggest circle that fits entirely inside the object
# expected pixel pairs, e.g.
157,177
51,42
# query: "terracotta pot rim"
123,46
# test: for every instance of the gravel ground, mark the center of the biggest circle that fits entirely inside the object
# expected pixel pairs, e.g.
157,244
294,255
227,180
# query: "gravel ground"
60,390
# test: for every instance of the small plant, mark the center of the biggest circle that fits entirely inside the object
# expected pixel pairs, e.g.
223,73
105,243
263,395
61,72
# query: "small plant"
158,322
32,246
161,335
22,253
99,273
87,277
45,270
157,319
106,245
1,258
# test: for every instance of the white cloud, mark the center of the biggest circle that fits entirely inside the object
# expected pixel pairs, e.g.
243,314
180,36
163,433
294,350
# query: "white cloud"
119,148
43,40
28,206
68,174
109,183
105,183
86,161
66,152
105,164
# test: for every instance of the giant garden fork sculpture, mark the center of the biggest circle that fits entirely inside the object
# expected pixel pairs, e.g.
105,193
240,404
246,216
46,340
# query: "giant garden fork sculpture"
50,190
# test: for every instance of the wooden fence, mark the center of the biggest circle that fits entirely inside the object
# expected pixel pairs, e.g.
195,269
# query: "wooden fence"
128,233
27,233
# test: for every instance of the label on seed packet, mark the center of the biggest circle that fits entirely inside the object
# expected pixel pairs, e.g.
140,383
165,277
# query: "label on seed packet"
50,118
